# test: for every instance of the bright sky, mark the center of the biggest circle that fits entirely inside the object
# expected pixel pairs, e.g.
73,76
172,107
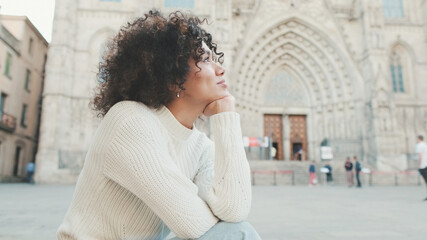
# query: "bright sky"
40,13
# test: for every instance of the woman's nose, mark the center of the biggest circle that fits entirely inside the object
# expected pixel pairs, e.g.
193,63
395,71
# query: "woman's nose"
220,70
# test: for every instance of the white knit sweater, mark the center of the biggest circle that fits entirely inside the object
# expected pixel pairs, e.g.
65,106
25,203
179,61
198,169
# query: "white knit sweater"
145,173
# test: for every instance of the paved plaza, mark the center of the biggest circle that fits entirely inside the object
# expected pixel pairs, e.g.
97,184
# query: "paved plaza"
278,212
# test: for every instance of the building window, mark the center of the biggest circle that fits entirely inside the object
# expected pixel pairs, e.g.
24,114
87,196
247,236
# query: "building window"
393,8
396,73
16,163
2,102
179,3
27,80
8,65
30,46
23,116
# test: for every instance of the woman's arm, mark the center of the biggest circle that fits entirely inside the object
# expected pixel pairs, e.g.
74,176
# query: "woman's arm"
224,176
138,160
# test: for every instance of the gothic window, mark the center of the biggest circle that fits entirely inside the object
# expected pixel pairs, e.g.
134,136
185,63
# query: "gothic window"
393,8
396,73
179,3
284,90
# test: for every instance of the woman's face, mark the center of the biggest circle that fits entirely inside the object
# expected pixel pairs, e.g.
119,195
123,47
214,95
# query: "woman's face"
206,84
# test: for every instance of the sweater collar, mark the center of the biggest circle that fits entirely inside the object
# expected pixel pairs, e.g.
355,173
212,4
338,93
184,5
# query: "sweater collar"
173,126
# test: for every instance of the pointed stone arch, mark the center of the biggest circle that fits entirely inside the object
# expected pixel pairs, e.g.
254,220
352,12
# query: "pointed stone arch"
296,43
321,65
99,39
96,47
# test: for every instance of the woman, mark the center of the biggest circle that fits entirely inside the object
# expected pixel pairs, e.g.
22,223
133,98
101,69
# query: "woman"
149,171
349,171
312,171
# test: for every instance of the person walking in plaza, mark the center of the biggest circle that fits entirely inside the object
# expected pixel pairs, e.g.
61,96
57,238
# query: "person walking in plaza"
329,178
30,168
357,169
149,171
349,172
312,171
421,150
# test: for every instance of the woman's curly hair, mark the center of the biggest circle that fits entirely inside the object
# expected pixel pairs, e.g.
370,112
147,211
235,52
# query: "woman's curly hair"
148,57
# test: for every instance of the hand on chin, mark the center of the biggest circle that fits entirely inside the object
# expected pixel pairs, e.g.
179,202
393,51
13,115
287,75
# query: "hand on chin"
223,103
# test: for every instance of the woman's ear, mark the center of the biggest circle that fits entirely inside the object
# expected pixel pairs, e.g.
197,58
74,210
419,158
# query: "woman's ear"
172,87
175,90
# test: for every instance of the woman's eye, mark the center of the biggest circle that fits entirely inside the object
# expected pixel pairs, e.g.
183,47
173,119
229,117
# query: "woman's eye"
207,59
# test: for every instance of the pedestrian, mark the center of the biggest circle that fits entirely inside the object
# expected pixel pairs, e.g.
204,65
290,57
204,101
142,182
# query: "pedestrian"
421,150
30,168
301,154
349,172
329,178
312,171
357,169
149,171
273,153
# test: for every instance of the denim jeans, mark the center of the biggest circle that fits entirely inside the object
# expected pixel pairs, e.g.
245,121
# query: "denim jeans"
230,231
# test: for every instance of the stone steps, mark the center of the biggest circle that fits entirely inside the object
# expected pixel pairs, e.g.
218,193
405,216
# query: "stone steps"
270,172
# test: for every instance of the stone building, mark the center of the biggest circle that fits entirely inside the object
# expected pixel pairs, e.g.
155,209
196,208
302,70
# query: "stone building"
23,52
305,72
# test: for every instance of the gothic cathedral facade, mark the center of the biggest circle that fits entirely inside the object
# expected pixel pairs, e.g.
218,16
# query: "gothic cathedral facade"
352,73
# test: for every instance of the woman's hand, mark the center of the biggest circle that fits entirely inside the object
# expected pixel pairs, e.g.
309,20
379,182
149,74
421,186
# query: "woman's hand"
225,104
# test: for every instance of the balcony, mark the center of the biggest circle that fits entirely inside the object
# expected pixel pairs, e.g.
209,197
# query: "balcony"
9,39
8,122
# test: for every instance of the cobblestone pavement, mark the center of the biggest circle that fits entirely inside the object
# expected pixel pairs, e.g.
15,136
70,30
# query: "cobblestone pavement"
283,212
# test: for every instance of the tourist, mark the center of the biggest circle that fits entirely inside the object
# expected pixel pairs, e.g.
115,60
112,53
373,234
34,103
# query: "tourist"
421,150
149,171
357,169
312,171
329,178
349,172
30,168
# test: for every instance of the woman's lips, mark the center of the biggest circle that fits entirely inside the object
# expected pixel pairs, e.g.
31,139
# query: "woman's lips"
222,83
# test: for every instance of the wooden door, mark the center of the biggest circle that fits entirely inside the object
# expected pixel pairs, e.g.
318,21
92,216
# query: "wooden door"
273,128
298,137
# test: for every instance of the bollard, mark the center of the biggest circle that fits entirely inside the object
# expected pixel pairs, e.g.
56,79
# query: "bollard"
293,178
253,178
418,180
275,178
395,180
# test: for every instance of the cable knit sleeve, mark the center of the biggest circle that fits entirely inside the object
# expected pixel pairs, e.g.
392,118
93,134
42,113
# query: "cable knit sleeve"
224,176
138,160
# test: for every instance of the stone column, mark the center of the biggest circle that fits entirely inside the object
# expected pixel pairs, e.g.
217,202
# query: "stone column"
286,137
379,106
56,95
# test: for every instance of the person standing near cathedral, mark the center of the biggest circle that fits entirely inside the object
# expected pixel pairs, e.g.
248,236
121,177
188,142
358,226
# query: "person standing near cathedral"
357,169
30,168
349,172
329,178
149,171
312,171
421,150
